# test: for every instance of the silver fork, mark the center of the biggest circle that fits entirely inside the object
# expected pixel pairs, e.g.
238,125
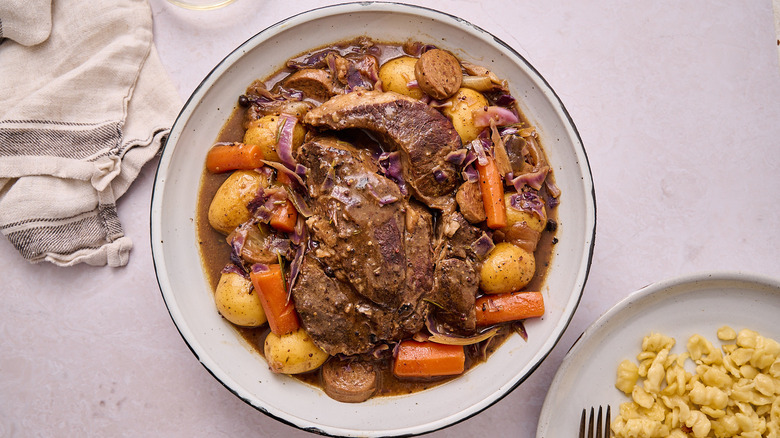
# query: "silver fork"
602,429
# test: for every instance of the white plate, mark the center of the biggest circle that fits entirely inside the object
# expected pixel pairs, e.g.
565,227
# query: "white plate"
187,293
678,308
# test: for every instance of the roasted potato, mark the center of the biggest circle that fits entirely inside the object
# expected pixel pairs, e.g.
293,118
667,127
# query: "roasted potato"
293,353
532,220
507,268
465,105
264,132
238,302
228,207
396,75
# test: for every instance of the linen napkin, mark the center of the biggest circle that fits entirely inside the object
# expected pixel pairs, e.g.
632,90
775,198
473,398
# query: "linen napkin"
82,109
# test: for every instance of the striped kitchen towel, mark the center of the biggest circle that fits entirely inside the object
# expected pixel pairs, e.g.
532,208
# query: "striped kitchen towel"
81,111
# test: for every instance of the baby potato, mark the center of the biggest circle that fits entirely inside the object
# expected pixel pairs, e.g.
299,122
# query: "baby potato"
264,132
228,207
507,268
466,104
238,302
514,216
396,74
293,353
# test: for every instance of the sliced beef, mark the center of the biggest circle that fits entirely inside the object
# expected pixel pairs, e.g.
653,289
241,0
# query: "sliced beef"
375,246
361,239
337,318
456,273
419,266
422,135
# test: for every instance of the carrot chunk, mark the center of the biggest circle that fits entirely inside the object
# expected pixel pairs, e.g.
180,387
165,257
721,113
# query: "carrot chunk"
234,156
428,359
492,194
281,314
284,216
514,306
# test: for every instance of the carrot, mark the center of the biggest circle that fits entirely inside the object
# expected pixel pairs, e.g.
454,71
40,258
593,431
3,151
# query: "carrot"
233,156
514,306
283,178
428,359
492,194
284,216
281,314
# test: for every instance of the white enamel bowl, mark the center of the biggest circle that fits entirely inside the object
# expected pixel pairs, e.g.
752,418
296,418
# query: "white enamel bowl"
186,291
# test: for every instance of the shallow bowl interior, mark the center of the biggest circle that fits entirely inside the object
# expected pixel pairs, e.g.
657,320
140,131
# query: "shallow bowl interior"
187,294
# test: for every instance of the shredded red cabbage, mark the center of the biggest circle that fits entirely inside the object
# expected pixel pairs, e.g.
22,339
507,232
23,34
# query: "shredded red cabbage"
390,164
502,116
383,200
457,157
295,267
260,267
266,201
237,239
520,329
478,147
528,201
314,60
232,268
533,179
284,145
470,173
505,100
552,188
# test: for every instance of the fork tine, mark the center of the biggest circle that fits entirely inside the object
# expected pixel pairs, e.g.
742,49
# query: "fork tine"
590,424
597,420
598,425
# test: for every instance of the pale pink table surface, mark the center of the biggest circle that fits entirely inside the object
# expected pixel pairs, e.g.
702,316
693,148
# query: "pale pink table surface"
677,103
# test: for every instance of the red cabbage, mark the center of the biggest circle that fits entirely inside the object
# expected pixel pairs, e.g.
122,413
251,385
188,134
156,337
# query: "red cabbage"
260,267
478,147
295,267
502,116
390,164
529,202
284,145
533,179
232,268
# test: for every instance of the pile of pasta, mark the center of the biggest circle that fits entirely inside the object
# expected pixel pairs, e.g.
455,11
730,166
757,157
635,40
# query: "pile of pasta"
733,392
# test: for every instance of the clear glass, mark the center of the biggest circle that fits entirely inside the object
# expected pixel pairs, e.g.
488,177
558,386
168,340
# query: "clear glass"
201,4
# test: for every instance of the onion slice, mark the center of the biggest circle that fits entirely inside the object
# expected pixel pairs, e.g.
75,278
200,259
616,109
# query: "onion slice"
441,338
451,339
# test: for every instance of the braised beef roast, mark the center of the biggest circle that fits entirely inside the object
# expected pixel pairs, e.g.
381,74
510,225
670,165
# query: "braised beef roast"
422,135
370,258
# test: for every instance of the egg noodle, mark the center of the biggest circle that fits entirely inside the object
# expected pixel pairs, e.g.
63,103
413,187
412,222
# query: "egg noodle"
732,393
